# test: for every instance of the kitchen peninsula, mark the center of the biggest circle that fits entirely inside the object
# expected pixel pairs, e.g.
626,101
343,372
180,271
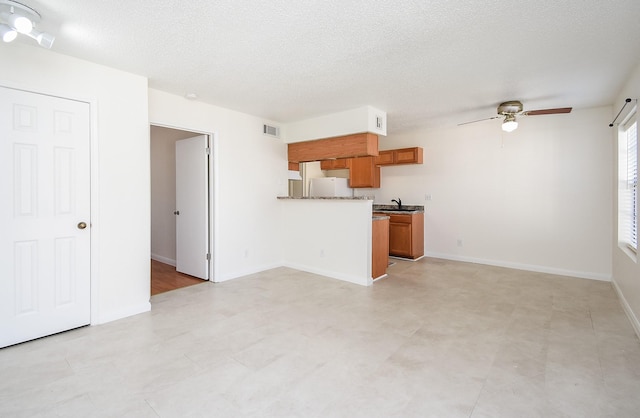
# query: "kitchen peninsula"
330,236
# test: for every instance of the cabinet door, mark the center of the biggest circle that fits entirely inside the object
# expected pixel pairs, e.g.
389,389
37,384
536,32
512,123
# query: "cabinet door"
417,235
379,247
337,164
340,163
385,158
364,172
400,239
400,156
408,156
326,165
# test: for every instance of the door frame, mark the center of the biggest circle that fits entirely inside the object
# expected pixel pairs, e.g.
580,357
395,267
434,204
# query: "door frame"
213,265
94,215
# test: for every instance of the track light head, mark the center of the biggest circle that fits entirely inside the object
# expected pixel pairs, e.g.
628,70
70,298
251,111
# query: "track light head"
20,23
7,33
44,39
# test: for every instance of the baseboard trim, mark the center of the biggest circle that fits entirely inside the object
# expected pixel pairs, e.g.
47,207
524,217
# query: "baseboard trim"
526,267
254,270
407,259
362,281
384,276
627,308
164,260
122,313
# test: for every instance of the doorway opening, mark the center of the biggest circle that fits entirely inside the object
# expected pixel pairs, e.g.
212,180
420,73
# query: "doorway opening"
180,238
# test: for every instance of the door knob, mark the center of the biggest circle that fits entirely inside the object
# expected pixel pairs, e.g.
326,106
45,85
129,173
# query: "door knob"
82,225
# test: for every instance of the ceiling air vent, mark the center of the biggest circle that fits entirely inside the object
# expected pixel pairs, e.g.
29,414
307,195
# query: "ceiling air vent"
273,131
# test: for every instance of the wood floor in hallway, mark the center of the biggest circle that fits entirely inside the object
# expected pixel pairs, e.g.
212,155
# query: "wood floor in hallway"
164,278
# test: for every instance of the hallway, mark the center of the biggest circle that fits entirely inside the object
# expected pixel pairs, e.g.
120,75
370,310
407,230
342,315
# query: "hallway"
165,278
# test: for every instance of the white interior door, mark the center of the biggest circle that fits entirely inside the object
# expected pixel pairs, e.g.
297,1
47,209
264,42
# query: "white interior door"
44,215
192,206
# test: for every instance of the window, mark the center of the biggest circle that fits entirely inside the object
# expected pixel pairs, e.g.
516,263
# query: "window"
628,184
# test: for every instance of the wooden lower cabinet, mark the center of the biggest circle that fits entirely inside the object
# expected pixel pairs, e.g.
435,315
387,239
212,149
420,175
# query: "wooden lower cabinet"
379,247
406,235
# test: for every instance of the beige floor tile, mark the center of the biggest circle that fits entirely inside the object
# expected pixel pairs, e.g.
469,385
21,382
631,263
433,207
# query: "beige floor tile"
436,338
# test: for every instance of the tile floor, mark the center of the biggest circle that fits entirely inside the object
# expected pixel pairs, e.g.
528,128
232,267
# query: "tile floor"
434,339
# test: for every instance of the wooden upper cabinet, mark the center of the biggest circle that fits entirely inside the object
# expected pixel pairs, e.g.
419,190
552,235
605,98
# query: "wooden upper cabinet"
400,156
337,164
409,155
363,172
294,166
385,157
356,145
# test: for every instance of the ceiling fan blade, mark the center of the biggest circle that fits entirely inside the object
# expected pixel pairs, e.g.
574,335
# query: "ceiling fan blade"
547,111
479,120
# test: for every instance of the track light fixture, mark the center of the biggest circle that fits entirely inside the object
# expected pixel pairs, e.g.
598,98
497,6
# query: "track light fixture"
19,18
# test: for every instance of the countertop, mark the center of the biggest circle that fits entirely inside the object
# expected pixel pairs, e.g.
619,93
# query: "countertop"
327,198
393,209
377,217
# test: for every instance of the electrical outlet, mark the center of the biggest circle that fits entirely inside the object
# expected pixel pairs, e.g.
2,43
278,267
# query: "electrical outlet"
322,253
459,243
246,253
427,197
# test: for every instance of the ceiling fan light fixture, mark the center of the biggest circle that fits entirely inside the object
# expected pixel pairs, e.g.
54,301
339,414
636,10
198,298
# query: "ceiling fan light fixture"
513,108
510,124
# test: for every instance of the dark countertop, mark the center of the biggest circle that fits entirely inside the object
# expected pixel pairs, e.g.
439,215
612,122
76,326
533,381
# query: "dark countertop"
393,209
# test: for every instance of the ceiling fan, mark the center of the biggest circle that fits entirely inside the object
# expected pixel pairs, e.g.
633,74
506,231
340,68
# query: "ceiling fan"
509,110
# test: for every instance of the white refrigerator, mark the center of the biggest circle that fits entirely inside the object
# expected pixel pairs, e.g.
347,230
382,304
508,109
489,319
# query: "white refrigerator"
329,187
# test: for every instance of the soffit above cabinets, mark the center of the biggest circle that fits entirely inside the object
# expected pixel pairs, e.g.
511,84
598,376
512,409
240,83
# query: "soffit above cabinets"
353,121
347,146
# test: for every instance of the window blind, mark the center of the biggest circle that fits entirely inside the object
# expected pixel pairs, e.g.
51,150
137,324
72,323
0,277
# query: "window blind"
632,180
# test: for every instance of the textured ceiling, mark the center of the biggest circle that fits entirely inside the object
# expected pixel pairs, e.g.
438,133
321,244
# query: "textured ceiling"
426,63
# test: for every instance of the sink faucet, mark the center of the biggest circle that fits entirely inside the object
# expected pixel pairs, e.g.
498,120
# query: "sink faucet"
399,202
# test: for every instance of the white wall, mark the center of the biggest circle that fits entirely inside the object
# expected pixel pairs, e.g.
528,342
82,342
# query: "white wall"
163,192
352,121
538,198
328,237
250,171
120,168
626,271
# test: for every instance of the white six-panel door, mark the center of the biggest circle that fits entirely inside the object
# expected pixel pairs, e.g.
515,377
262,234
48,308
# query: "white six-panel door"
44,215
192,206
